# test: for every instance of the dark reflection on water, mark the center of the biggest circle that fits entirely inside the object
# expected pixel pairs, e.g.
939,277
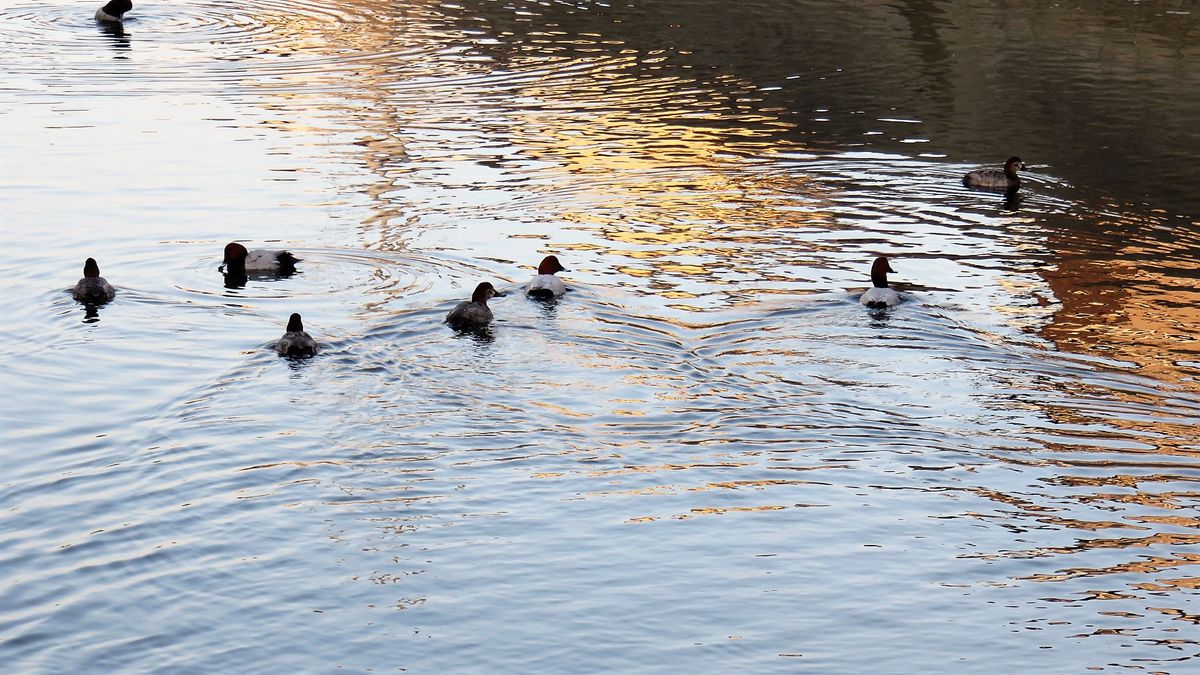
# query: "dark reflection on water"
120,40
707,453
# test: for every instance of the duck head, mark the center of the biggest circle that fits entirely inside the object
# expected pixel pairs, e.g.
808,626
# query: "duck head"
879,271
235,254
484,292
117,8
295,324
550,265
1011,166
90,269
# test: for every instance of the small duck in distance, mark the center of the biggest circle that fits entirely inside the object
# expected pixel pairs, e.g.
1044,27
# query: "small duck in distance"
93,288
475,312
545,285
239,260
1004,179
296,342
114,11
880,295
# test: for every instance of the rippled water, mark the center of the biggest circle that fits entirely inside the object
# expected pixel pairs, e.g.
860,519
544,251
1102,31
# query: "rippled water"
707,456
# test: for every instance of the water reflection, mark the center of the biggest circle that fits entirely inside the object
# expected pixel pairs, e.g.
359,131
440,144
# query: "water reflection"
235,280
120,40
480,336
1124,294
708,404
1012,196
91,312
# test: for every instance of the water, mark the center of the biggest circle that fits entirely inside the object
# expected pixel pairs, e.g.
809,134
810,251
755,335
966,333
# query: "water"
707,456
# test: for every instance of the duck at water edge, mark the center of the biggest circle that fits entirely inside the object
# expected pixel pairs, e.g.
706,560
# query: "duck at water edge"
880,295
93,288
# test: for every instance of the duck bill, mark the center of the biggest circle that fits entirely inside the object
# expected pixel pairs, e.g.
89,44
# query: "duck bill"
498,294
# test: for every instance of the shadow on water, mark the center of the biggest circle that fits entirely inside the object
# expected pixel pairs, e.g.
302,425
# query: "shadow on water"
91,312
1012,196
480,336
119,39
235,281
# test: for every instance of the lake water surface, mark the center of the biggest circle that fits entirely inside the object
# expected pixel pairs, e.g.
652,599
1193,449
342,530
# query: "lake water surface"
707,457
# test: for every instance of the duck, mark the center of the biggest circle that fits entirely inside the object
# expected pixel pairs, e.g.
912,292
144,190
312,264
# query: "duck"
296,342
545,285
93,288
1005,178
880,295
114,11
475,312
239,260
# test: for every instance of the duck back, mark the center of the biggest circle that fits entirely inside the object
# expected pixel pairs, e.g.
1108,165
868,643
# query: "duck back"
880,297
272,260
546,286
296,343
469,313
94,290
990,178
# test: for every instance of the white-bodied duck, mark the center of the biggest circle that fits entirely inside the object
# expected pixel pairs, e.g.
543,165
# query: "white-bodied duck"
545,285
239,260
475,312
296,342
92,287
880,295
1003,179
114,11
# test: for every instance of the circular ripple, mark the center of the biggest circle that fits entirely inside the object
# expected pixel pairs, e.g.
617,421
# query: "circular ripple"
372,277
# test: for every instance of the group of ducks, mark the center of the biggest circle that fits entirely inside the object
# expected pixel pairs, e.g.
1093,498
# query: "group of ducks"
475,314
239,261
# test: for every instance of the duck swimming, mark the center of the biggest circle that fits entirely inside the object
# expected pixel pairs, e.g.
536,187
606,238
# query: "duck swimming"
474,313
1005,179
880,295
93,288
114,11
295,342
239,260
545,285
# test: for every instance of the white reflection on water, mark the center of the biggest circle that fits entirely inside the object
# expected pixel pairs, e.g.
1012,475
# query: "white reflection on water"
706,454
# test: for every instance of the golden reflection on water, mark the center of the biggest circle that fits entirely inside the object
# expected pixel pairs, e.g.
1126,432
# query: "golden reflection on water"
634,157
668,184
1119,301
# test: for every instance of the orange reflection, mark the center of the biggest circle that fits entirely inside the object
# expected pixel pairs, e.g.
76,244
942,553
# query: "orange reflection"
1128,296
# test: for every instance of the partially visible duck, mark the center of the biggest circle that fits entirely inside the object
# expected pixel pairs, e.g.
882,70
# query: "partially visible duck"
239,260
295,342
545,285
114,11
474,313
880,295
92,287
1005,178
